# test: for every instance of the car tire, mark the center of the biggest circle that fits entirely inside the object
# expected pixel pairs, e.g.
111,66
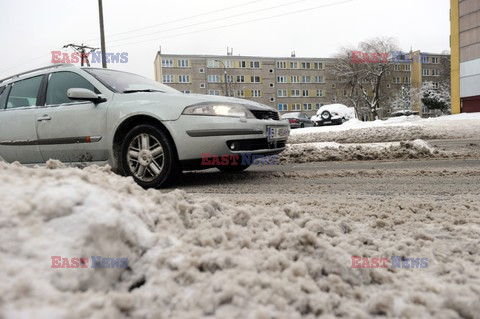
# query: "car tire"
302,125
326,115
233,168
149,156
343,121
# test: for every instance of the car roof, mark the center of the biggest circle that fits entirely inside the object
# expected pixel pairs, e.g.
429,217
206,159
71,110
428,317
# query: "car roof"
39,71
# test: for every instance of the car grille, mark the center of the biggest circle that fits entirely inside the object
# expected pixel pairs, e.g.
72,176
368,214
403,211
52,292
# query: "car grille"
265,115
255,144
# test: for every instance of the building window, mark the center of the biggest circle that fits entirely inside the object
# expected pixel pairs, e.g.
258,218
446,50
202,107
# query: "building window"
202,85
272,85
388,86
185,92
282,107
271,70
282,93
307,106
435,72
306,79
240,93
272,99
396,67
295,93
201,70
183,63
435,85
167,63
407,67
167,78
435,60
306,65
255,64
424,59
242,64
213,78
230,78
406,80
281,65
255,79
213,92
295,79
319,93
296,107
319,79
318,106
293,65
425,72
256,93
240,79
318,66
305,93
282,79
184,78
397,80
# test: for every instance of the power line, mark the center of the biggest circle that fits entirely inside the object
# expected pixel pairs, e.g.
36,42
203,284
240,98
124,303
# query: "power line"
24,63
209,21
236,24
178,20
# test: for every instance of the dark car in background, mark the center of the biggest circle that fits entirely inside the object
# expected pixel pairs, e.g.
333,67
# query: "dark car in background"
298,120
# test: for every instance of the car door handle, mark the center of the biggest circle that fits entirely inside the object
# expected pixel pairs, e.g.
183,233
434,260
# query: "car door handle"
44,118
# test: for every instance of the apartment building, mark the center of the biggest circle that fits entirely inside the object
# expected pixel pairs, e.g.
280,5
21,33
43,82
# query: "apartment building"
287,84
465,48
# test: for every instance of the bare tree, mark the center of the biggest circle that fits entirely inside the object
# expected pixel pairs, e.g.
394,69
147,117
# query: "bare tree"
363,69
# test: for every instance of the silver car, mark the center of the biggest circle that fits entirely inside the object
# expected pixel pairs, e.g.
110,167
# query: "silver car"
140,127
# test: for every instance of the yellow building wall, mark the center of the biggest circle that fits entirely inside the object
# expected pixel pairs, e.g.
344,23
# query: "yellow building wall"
455,56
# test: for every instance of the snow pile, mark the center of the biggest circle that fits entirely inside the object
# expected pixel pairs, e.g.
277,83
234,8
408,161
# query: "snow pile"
401,128
331,151
203,258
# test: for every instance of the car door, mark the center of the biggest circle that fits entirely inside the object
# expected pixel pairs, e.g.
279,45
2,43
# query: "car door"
71,130
18,137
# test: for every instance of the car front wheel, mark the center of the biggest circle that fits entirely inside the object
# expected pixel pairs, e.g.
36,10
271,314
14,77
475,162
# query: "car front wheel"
149,157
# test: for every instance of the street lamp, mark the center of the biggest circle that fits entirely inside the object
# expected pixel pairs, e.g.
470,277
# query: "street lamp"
224,76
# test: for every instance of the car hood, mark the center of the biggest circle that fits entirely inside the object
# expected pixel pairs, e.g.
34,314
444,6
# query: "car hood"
173,104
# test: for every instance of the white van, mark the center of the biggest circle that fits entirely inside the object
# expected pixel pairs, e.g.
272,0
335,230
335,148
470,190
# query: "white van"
333,114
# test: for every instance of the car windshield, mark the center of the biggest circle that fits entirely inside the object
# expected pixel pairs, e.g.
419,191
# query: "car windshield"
124,82
290,115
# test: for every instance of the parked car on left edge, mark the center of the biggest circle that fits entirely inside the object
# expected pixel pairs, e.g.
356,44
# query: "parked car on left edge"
140,127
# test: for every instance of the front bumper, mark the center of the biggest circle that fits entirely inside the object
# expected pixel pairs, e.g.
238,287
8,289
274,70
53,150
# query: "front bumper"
215,135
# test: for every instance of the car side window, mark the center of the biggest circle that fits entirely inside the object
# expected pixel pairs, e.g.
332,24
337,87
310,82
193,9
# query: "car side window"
60,82
24,93
3,96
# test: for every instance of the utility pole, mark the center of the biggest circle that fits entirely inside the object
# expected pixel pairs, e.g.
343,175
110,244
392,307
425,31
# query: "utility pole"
81,49
224,76
102,34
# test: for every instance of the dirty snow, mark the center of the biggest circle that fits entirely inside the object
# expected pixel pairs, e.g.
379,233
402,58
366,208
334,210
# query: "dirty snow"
360,140
199,257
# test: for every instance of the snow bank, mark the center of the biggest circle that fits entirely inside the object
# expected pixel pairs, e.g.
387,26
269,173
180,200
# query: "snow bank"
413,127
203,258
330,151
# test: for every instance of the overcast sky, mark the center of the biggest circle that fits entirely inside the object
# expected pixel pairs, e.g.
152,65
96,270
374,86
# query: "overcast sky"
31,29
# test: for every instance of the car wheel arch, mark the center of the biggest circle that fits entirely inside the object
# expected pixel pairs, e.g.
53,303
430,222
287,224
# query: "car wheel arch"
128,124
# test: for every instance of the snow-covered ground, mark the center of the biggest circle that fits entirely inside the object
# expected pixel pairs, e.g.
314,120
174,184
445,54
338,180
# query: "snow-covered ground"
202,258
372,140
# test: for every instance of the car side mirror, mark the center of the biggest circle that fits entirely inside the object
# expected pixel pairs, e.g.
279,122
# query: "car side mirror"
84,94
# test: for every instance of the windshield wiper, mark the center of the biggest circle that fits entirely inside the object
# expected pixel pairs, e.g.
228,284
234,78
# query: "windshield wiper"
145,90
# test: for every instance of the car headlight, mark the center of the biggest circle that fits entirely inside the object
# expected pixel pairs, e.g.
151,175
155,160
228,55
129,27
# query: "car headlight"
218,109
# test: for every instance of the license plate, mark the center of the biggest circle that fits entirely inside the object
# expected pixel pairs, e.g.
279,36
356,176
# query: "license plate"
277,133
328,122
